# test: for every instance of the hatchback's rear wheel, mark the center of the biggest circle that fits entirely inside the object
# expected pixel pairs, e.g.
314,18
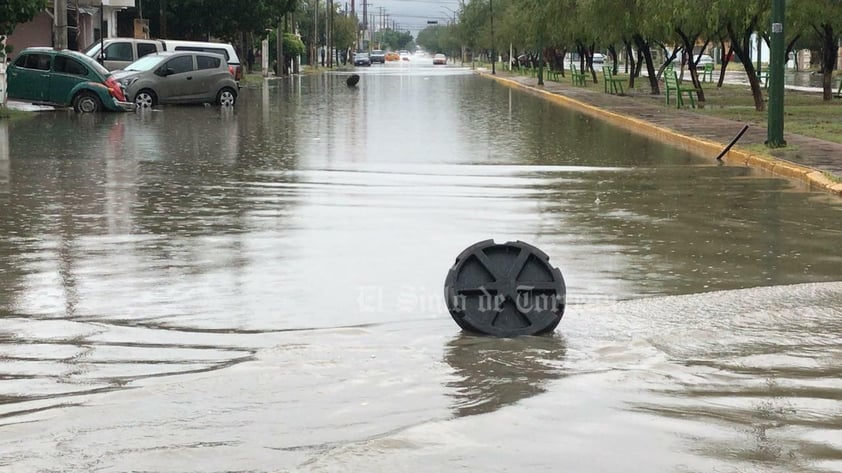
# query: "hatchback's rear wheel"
86,102
145,99
226,97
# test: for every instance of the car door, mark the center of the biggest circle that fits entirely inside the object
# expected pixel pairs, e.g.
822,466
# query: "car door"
29,77
66,74
118,55
176,78
208,67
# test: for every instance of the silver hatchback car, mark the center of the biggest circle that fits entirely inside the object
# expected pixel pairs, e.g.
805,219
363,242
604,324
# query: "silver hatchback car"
178,77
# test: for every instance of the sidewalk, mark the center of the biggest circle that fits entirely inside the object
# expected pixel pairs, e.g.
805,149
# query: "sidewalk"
700,133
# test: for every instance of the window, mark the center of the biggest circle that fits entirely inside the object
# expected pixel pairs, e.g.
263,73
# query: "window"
145,48
220,51
40,62
208,62
119,52
180,64
67,65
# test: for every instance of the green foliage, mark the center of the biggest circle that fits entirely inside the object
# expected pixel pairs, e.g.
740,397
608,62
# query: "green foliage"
293,46
394,40
439,39
344,31
199,19
14,12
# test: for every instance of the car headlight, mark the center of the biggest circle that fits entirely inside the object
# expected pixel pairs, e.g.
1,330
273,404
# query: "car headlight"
127,81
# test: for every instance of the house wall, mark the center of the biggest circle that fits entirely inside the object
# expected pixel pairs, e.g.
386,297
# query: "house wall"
38,32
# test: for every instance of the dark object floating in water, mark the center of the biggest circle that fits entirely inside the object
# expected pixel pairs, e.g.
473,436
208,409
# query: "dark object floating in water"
352,81
505,290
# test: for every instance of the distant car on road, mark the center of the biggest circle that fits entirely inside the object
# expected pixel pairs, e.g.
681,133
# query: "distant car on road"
378,56
64,78
393,56
439,59
362,59
598,58
180,77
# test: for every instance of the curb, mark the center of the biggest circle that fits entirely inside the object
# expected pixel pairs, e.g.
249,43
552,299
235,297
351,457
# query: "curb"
815,178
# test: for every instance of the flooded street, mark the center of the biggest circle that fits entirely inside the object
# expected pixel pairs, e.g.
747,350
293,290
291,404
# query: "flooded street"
194,289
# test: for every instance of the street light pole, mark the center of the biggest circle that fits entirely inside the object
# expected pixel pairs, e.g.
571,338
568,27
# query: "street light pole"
775,121
493,49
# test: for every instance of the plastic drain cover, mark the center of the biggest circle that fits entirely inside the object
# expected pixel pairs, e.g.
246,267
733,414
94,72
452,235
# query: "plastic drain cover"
505,290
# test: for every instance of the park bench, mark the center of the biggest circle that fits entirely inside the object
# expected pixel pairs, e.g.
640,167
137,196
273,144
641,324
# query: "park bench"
577,77
838,91
610,82
707,73
672,84
552,75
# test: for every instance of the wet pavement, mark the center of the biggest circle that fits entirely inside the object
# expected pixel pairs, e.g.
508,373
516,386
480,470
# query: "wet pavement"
195,289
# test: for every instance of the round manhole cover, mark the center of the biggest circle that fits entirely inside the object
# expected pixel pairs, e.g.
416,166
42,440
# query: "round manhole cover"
505,290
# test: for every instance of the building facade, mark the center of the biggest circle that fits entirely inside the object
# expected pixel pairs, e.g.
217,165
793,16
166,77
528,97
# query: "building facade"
86,19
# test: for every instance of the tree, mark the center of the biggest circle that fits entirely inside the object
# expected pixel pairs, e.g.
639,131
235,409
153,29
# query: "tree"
824,18
12,13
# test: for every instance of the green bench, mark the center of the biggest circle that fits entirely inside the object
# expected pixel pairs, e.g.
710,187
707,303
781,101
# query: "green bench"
673,85
839,90
552,75
577,77
611,82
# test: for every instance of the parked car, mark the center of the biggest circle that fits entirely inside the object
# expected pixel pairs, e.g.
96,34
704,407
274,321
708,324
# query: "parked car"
439,59
178,77
362,59
393,56
64,78
703,60
378,56
598,58
118,53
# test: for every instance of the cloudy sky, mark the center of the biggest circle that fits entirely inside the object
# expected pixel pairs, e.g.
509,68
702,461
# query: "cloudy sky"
410,14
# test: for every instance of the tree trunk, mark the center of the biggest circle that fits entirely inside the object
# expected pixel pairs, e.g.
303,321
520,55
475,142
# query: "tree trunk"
740,45
643,46
725,61
630,62
829,54
612,51
691,61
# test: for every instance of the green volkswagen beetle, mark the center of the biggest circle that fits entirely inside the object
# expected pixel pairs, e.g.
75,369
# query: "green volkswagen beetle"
64,78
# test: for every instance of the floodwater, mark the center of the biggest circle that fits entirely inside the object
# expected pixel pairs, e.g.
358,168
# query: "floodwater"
194,289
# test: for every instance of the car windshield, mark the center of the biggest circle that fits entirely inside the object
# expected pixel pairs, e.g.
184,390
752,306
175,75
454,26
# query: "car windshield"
362,54
145,63
377,51
92,50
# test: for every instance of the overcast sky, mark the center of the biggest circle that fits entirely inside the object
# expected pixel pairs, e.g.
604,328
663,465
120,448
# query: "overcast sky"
410,14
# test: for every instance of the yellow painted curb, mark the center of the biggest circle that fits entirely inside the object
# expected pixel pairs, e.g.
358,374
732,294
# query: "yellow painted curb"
815,178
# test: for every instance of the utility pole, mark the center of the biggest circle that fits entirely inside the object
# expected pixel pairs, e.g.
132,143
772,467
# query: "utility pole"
316,34
775,132
328,49
365,24
60,33
493,52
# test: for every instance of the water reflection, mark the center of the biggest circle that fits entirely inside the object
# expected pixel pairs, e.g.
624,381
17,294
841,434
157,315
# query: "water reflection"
494,373
5,164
